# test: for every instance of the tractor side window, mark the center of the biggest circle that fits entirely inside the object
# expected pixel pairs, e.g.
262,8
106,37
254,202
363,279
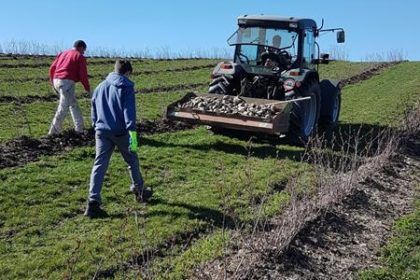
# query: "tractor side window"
249,54
309,49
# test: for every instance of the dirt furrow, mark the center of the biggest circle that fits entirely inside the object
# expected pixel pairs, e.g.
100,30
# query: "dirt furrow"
107,60
349,236
28,99
136,73
369,73
50,97
35,56
48,64
172,88
25,149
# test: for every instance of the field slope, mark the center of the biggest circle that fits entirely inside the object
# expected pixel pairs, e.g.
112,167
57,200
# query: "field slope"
205,185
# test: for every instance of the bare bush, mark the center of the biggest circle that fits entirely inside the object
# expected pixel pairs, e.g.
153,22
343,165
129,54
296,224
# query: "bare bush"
22,47
395,55
339,53
27,47
411,123
339,164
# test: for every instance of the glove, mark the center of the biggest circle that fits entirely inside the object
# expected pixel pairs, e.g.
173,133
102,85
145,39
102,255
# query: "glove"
133,141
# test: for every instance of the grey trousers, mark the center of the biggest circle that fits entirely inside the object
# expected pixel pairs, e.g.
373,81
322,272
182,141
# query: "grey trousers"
105,145
68,101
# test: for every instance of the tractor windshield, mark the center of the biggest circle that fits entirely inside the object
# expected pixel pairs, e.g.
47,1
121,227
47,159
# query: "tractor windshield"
270,37
251,42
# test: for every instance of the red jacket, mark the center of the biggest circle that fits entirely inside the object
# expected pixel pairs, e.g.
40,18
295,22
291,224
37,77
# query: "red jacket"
70,65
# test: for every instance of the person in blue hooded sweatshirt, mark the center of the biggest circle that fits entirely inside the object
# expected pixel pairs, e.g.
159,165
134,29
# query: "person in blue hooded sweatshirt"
114,121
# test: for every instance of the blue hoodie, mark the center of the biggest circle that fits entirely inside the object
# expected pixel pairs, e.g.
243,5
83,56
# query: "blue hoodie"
113,105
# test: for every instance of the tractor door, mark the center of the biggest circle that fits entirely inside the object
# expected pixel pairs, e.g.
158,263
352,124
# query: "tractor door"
308,49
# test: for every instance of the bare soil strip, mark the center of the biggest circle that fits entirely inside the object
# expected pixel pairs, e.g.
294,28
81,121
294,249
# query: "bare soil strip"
172,88
48,64
28,99
348,238
24,149
53,97
339,237
137,73
35,56
367,74
107,60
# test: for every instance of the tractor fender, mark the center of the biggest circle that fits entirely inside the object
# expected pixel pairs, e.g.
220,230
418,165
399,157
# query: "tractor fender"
225,68
226,77
329,90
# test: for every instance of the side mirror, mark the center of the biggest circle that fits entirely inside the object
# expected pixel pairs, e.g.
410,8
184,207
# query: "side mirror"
341,37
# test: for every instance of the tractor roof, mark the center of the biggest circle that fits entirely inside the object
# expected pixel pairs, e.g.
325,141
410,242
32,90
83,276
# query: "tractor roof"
276,21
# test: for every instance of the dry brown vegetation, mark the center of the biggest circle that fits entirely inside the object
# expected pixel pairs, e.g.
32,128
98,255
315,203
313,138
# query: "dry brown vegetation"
340,173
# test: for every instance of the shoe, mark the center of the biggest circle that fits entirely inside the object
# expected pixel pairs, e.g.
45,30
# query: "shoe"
93,210
143,195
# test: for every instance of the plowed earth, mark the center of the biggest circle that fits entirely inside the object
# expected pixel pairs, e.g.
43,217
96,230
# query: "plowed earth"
25,149
344,238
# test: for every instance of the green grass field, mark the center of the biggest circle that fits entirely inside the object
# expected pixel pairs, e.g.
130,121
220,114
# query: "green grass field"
205,185
34,119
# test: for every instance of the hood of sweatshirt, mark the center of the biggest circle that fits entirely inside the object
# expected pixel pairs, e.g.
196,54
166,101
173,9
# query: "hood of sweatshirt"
118,80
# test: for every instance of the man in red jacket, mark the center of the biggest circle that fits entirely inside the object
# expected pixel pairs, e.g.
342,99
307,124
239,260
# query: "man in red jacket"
68,68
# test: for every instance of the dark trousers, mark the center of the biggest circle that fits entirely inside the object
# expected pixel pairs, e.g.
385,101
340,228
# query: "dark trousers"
105,145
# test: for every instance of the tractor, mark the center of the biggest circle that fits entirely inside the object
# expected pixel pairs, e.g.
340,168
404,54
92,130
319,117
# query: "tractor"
275,65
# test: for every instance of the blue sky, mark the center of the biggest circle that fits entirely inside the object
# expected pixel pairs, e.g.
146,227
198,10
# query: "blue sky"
372,26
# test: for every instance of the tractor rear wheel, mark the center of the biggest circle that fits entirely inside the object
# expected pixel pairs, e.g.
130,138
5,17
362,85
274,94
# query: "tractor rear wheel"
221,85
305,114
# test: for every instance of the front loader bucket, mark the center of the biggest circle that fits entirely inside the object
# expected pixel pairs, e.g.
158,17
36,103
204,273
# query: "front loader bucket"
276,125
